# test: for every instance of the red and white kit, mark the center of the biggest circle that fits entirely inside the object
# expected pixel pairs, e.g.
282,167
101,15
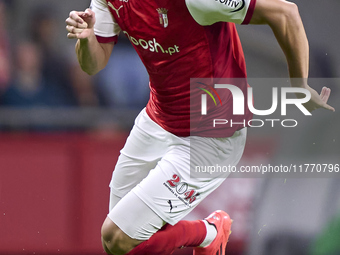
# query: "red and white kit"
179,40
176,41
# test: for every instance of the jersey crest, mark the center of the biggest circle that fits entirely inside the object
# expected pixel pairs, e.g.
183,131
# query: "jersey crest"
163,17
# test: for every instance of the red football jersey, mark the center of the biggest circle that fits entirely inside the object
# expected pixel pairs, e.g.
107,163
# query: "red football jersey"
177,41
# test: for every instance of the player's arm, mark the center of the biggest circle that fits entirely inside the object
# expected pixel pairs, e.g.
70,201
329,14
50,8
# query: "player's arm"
92,55
284,19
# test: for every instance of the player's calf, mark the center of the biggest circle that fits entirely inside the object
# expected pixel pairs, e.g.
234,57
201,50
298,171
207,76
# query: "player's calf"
114,240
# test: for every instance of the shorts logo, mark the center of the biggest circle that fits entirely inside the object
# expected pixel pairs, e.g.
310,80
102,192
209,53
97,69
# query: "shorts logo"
181,190
171,206
163,17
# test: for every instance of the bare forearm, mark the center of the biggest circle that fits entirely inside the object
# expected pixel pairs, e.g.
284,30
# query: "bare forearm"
284,19
91,56
292,38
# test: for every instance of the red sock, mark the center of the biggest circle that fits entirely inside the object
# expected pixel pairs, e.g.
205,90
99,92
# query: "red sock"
168,238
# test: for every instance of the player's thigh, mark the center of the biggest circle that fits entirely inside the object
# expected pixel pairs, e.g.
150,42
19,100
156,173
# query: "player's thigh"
128,173
137,220
171,190
143,149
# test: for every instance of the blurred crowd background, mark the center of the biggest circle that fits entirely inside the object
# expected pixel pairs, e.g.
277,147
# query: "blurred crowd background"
39,67
48,105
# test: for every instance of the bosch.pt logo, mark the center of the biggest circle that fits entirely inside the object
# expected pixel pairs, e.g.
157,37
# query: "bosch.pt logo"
152,45
235,4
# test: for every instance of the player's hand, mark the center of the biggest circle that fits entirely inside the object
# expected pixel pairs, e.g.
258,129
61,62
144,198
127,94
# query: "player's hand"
80,24
318,100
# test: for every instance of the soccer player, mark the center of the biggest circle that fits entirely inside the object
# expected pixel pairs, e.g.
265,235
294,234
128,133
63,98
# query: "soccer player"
151,187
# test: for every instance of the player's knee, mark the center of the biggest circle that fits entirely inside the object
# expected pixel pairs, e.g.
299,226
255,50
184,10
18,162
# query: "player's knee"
110,236
108,229
114,240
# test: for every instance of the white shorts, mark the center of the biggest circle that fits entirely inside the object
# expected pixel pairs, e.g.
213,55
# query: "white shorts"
155,165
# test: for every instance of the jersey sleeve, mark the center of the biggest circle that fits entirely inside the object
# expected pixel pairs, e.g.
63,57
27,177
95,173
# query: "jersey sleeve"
208,12
106,28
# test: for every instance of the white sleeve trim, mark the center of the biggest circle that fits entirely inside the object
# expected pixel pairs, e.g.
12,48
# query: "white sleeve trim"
105,25
208,12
